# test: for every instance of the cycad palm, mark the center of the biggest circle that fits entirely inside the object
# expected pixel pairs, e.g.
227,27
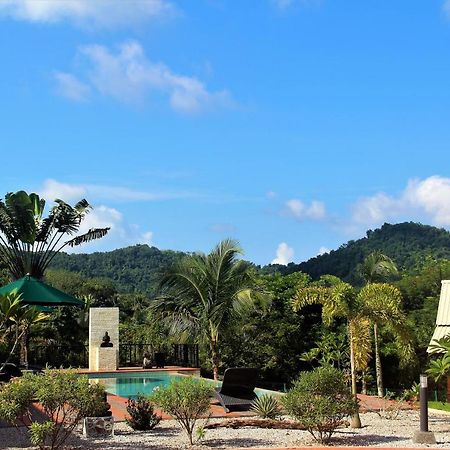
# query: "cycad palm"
28,241
203,293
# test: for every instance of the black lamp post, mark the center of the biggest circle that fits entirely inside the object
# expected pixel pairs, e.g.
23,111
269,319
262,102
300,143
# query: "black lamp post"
423,436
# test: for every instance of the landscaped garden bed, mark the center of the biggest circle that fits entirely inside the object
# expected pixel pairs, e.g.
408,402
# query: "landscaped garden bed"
376,431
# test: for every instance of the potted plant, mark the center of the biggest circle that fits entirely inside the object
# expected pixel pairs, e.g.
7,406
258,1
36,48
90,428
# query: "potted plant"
101,421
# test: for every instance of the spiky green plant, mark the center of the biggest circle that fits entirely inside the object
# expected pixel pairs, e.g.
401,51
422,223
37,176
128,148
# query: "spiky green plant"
266,407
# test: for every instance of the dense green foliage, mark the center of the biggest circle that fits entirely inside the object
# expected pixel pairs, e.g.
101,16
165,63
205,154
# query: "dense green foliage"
132,269
405,243
320,400
186,399
272,337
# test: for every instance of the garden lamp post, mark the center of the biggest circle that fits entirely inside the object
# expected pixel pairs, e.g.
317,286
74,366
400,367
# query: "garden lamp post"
423,436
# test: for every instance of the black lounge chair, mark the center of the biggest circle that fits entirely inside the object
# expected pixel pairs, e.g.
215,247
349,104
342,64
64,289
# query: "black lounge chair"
8,371
160,360
238,388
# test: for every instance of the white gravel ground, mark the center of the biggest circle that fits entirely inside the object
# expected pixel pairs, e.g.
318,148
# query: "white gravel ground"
376,432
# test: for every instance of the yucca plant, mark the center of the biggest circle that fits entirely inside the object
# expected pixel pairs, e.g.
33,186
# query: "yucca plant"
266,407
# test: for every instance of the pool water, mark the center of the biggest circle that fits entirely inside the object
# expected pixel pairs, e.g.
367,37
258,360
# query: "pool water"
133,384
130,385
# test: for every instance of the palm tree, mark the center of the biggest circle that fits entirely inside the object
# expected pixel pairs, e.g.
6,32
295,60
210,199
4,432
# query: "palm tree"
339,299
29,242
378,268
201,295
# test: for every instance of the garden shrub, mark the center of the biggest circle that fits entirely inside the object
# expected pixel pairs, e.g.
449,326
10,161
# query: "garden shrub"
320,400
65,398
266,407
186,399
142,414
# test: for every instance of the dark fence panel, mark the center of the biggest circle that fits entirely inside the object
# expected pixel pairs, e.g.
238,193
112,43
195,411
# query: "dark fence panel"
130,355
185,355
57,355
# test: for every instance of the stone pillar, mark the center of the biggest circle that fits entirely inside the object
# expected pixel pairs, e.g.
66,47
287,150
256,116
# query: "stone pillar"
101,320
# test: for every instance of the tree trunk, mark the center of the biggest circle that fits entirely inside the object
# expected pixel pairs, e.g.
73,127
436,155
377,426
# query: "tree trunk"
379,372
364,383
356,420
215,359
24,343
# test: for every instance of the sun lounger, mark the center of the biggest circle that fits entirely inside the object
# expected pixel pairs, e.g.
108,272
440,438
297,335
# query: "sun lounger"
238,388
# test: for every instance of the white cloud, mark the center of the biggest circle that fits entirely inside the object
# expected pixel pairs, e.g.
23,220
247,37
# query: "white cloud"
70,87
121,233
102,13
427,199
128,76
323,250
285,254
53,189
446,8
300,210
271,195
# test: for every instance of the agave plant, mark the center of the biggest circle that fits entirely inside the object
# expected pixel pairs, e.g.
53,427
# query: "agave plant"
266,407
29,241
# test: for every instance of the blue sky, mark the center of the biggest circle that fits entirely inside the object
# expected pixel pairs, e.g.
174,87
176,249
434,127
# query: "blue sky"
291,125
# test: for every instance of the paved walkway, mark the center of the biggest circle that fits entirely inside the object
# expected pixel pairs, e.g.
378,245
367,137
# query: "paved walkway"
366,403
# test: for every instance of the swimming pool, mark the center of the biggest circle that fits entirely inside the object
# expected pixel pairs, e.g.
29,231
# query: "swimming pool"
131,384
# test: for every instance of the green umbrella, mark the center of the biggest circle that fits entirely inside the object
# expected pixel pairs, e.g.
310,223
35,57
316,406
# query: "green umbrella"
36,292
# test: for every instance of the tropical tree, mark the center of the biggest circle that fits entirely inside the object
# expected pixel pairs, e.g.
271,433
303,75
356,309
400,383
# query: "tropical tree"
378,268
339,300
203,293
29,241
385,306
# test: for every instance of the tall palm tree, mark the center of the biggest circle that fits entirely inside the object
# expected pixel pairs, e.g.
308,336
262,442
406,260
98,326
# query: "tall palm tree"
378,268
29,241
339,300
203,293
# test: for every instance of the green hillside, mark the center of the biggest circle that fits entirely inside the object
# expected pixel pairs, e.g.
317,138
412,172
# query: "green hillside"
408,244
132,269
137,268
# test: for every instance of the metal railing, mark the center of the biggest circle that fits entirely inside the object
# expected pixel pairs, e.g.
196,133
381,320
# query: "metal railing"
130,355
185,355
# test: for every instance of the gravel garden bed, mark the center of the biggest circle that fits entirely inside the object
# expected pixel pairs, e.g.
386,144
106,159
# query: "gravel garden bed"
376,432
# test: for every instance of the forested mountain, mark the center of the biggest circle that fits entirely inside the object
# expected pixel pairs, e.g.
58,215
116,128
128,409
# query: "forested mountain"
132,269
137,268
408,244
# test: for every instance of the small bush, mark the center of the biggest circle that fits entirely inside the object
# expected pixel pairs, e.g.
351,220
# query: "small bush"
320,400
65,397
142,414
266,407
186,399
